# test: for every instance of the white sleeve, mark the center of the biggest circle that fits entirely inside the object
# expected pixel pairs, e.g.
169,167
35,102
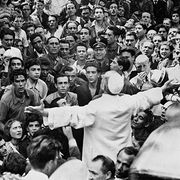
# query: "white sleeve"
146,99
74,116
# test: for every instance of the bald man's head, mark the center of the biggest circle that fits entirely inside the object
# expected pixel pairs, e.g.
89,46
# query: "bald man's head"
142,63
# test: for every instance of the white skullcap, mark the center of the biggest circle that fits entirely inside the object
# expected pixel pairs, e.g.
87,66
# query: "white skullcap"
13,52
115,82
72,169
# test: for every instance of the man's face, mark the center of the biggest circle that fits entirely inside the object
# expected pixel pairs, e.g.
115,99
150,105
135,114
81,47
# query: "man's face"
163,32
84,35
64,49
128,55
18,22
139,121
3,148
62,85
123,164
96,172
71,40
26,10
30,31
157,40
44,71
2,51
8,41
139,30
39,6
113,9
110,37
19,84
142,65
147,48
52,22
81,53
53,46
38,44
99,14
71,75
146,17
33,127
16,64
71,10
167,23
40,30
92,74
72,28
130,41
85,13
114,65
34,72
100,53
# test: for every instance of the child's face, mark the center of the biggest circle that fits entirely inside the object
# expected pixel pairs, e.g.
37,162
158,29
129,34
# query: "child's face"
18,22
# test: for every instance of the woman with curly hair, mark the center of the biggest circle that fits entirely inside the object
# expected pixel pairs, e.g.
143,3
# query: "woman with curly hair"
13,134
165,55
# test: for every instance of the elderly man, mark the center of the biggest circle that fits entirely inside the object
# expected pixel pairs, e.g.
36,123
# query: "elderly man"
110,110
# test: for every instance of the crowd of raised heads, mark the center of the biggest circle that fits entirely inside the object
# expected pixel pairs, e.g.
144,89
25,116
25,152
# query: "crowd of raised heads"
89,89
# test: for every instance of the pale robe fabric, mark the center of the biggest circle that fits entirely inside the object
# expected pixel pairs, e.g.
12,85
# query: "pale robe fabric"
106,121
72,169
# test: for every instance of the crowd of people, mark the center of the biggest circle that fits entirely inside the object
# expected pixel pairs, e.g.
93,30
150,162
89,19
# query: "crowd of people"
83,84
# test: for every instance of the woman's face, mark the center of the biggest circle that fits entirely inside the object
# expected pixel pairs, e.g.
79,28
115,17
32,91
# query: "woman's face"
165,51
16,130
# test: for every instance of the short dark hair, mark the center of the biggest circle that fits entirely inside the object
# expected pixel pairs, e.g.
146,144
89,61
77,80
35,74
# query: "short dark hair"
130,150
63,41
6,31
124,62
144,26
85,28
160,26
132,51
32,62
107,164
35,35
41,150
16,72
81,44
44,61
11,59
60,75
131,33
116,30
51,37
14,163
33,118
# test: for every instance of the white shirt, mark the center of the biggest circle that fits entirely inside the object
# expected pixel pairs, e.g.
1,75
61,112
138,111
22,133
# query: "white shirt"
106,121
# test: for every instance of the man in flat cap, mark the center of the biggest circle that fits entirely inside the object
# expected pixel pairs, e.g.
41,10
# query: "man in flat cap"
99,45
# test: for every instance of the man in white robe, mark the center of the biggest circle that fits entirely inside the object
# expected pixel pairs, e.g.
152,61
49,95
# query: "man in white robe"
106,120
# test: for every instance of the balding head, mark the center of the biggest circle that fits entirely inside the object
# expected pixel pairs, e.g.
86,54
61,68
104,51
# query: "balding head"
142,63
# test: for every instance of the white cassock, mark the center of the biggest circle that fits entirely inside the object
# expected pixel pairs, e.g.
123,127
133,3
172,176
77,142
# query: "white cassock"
106,121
